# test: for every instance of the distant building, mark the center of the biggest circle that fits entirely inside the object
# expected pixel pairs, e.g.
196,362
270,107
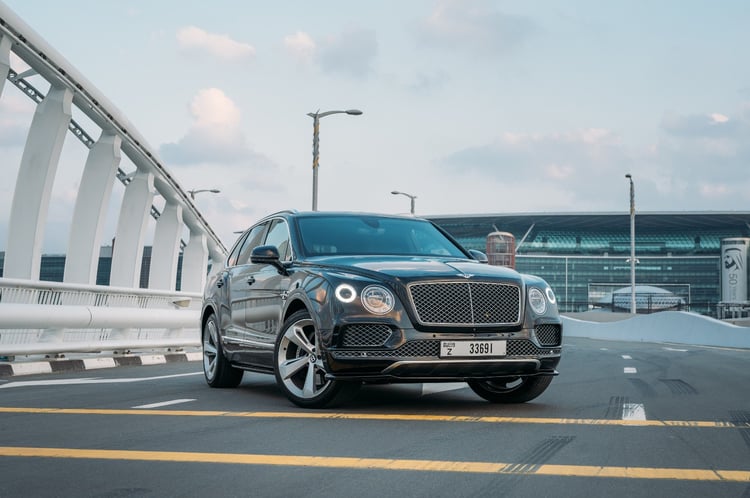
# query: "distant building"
53,267
586,256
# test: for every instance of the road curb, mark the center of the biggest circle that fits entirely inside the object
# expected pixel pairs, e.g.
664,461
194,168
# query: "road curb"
14,369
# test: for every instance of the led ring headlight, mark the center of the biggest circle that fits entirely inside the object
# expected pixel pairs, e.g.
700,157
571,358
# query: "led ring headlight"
346,293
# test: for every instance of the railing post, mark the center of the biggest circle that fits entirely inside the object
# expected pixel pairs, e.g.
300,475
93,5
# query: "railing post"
28,214
194,263
90,212
166,249
127,253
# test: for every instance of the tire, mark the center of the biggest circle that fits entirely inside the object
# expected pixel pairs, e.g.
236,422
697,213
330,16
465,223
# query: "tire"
299,370
216,368
510,390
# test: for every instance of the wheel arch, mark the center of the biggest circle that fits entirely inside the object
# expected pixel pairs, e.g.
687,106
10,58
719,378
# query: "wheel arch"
208,310
294,306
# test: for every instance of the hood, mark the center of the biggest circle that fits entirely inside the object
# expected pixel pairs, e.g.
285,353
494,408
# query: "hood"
411,267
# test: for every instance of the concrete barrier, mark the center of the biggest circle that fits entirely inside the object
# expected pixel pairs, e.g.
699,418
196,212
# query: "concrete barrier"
677,327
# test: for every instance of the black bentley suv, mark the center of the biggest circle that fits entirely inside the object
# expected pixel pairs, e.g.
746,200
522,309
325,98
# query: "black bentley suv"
327,301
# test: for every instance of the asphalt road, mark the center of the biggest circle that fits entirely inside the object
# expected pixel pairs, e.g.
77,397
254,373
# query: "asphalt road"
621,420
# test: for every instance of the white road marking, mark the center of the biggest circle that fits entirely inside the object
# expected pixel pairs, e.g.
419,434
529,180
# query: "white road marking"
630,370
164,403
627,357
432,388
678,350
91,380
633,411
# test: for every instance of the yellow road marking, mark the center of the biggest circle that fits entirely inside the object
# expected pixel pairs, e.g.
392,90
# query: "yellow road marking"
384,464
708,424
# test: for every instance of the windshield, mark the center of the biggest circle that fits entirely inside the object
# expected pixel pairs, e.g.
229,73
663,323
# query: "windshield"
369,235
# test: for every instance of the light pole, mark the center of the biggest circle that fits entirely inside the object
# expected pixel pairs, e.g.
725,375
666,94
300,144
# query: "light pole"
412,197
632,244
193,192
316,130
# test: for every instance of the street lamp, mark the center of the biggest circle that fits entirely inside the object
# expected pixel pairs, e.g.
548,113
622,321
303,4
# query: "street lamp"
316,129
193,192
632,244
412,197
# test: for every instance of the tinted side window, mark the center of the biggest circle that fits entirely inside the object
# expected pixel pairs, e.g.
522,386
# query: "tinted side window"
278,236
252,241
232,258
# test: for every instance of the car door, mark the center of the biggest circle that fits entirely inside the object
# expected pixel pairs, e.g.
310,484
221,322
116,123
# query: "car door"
240,276
268,291
219,290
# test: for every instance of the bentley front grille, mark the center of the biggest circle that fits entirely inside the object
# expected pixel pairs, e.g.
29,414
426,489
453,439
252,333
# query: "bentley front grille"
466,303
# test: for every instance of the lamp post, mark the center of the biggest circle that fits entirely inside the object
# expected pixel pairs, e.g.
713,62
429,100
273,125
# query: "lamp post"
632,244
193,192
316,129
412,197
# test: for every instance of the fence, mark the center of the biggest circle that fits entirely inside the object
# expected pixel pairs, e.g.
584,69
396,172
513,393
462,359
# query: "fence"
51,318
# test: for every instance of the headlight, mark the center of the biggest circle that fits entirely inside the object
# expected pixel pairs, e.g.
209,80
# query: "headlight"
346,293
377,299
537,301
550,295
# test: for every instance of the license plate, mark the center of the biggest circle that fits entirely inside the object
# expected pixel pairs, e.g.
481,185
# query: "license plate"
449,349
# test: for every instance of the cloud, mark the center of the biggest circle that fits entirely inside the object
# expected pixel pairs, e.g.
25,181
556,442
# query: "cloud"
699,125
522,156
301,46
568,162
214,136
473,25
351,53
425,83
705,155
194,39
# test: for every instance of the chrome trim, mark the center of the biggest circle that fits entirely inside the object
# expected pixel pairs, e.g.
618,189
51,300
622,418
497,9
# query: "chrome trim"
459,362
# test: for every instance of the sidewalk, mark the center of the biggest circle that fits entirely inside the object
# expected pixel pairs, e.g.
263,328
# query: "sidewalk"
79,362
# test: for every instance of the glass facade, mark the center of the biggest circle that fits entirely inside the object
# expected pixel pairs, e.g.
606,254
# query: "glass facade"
586,257
571,277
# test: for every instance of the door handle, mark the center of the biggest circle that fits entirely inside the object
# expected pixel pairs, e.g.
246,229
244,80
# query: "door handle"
250,280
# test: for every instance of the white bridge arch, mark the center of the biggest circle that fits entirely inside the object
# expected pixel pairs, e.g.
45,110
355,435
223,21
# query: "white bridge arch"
77,315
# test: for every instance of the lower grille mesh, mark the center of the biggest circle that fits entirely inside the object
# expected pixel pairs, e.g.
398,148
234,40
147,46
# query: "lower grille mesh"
431,350
549,334
366,335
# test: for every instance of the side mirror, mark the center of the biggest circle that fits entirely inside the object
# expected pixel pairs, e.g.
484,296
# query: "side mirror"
267,255
479,256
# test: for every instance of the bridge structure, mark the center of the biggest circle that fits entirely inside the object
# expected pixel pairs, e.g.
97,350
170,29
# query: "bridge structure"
76,315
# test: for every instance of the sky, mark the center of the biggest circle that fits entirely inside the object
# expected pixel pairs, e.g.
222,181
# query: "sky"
474,106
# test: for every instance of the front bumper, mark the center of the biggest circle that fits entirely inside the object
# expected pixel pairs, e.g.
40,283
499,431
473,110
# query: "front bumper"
419,360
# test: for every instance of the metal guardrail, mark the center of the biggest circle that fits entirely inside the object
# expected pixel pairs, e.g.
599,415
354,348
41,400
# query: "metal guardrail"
733,311
39,317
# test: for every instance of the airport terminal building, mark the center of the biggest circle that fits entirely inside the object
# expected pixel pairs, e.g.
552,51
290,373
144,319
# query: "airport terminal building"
693,261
